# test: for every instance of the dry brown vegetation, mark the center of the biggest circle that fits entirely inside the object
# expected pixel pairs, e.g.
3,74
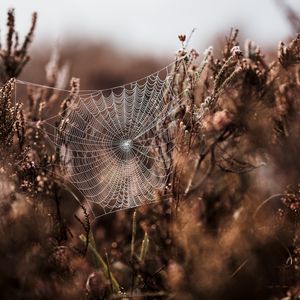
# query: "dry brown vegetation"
229,227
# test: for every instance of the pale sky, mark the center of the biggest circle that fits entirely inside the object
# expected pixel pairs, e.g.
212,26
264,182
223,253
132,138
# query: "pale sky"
150,26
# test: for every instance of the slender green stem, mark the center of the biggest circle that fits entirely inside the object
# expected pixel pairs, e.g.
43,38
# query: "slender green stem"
144,247
133,234
103,265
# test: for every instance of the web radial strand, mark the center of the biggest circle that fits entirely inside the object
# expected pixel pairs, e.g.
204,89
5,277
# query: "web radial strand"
116,145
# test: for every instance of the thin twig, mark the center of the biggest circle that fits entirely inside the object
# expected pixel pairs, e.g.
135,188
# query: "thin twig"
239,268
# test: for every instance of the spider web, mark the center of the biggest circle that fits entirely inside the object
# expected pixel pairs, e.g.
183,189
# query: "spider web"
115,145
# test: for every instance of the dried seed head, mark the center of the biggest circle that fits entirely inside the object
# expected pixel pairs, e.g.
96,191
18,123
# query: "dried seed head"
236,51
182,37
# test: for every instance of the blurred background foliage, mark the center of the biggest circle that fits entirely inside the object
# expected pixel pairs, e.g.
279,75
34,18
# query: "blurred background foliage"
230,227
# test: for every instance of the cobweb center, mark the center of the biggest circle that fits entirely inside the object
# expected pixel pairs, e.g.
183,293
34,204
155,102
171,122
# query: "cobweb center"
126,145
